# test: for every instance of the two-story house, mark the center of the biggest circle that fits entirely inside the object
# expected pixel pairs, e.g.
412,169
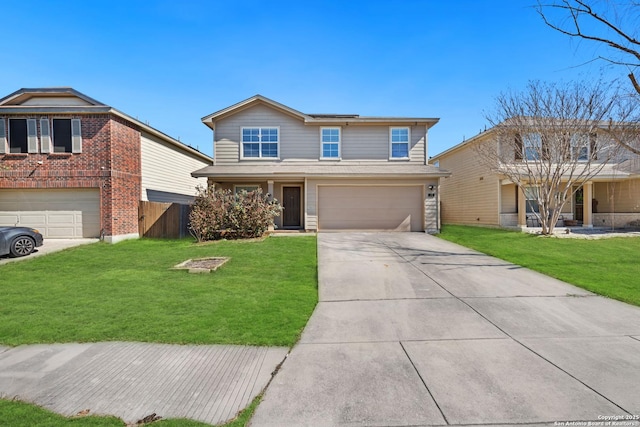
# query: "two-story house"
74,167
329,171
478,195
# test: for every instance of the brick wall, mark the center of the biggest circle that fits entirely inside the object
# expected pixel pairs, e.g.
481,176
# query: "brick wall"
110,161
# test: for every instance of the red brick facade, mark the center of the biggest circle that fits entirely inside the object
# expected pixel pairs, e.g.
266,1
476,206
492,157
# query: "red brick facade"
110,161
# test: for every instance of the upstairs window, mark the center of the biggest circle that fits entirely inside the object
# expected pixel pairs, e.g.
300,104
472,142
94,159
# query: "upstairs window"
260,143
18,136
583,147
399,143
532,146
23,136
330,143
62,136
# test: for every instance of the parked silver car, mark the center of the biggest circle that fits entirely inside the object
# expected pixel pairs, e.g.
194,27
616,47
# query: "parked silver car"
19,241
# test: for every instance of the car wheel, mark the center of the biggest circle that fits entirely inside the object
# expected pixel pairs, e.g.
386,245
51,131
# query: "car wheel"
22,246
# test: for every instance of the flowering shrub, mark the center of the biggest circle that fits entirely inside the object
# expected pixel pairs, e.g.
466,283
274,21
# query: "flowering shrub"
223,214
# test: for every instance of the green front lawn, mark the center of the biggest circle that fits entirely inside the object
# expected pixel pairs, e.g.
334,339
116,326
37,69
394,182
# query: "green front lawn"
608,267
19,414
125,292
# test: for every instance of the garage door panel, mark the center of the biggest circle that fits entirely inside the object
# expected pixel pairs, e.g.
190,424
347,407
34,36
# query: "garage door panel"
57,213
395,208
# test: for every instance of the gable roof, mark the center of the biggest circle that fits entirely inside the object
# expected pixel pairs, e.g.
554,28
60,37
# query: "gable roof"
22,96
314,119
63,100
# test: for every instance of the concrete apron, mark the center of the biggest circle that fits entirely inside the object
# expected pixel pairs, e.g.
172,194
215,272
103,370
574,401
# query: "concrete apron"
134,380
414,330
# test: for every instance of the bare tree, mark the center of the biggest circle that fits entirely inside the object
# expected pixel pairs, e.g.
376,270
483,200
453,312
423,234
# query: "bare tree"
551,138
603,22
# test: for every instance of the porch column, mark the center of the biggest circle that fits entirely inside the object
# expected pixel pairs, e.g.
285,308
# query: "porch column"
522,208
270,189
587,196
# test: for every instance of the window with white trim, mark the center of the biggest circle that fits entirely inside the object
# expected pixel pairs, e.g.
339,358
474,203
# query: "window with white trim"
248,188
18,136
330,138
532,146
62,136
399,143
531,197
260,142
23,136
580,146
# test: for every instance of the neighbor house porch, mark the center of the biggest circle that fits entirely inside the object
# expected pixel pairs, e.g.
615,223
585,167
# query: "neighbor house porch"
597,203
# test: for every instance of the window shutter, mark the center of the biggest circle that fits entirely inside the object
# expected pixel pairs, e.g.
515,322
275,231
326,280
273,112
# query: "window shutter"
76,136
517,147
593,146
32,136
3,137
45,136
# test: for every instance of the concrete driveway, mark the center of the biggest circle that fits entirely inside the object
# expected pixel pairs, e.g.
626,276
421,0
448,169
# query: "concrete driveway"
50,246
413,330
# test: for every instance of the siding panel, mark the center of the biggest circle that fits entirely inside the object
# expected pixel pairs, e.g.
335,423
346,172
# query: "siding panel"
471,194
167,171
300,141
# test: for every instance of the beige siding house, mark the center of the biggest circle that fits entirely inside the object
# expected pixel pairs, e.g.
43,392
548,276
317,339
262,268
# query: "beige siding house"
329,171
475,195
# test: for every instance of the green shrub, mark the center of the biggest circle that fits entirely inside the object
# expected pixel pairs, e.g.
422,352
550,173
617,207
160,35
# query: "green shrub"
218,214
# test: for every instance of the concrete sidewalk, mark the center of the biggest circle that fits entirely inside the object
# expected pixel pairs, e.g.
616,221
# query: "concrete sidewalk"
413,330
133,380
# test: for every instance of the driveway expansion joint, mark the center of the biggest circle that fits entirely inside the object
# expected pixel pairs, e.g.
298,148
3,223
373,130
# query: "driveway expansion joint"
424,382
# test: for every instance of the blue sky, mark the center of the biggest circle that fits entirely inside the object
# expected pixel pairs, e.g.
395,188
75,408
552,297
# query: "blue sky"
169,63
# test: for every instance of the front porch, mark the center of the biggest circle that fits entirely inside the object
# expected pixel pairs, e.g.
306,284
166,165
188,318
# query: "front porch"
607,204
290,194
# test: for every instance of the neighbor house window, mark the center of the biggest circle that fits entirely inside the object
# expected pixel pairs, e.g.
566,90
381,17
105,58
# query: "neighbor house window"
23,136
248,188
532,146
399,143
260,142
582,146
531,196
17,135
62,136
330,143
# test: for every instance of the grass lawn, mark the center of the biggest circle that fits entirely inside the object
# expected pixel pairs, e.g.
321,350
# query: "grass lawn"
15,413
19,414
125,292
607,267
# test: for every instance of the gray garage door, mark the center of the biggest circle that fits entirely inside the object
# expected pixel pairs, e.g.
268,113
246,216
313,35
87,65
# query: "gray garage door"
391,208
57,213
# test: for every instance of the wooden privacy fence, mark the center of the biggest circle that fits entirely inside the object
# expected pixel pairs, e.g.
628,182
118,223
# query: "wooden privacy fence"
163,220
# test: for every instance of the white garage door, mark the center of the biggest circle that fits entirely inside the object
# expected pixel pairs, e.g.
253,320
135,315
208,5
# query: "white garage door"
57,213
395,208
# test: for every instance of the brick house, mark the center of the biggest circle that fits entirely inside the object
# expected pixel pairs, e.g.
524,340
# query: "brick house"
74,167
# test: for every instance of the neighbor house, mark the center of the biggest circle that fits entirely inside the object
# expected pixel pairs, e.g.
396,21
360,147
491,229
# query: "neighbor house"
329,171
74,167
476,195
